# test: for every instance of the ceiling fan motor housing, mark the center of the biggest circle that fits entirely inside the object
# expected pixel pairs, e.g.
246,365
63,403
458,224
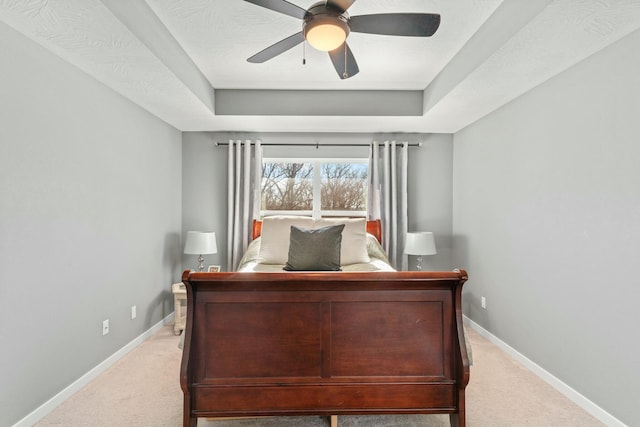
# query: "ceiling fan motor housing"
323,14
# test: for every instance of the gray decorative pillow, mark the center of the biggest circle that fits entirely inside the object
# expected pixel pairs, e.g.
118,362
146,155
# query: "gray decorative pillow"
315,250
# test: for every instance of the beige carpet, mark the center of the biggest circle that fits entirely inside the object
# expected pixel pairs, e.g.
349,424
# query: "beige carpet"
143,389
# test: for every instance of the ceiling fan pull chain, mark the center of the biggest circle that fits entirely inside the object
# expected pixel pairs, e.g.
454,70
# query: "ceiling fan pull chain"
345,74
304,53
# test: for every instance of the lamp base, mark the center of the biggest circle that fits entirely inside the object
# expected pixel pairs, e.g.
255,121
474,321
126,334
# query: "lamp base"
419,263
200,263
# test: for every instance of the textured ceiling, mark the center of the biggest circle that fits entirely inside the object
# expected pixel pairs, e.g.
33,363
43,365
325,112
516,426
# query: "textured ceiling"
220,35
172,56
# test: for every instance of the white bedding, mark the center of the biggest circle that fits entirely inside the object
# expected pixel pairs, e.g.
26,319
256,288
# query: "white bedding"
378,259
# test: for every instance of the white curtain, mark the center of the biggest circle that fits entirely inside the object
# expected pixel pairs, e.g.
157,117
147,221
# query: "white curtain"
387,199
243,192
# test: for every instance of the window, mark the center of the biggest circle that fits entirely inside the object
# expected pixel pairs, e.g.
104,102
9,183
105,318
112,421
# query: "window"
316,187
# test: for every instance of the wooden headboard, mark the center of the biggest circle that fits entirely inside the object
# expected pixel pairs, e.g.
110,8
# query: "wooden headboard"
374,227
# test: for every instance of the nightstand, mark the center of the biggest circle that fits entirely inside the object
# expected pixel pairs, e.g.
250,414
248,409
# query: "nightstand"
180,307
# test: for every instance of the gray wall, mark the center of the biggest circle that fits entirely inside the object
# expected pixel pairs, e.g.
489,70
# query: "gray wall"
205,178
204,194
90,222
547,220
430,191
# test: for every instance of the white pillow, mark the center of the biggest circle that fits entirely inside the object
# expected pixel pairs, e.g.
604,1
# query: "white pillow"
354,239
274,237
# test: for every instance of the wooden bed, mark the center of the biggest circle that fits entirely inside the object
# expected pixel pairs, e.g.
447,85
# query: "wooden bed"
324,343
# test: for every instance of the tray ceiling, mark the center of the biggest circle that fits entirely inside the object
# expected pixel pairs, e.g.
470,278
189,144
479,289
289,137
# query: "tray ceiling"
172,57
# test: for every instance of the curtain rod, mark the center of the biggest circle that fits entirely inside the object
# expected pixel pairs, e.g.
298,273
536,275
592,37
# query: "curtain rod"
317,145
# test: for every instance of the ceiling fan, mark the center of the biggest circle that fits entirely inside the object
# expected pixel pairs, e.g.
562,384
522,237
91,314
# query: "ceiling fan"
326,25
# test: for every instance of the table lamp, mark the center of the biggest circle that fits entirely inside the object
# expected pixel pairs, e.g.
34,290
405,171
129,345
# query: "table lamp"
200,243
420,243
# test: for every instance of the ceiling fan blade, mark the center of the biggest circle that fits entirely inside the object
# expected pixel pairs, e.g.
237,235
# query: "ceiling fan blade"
396,24
338,58
281,6
277,48
343,5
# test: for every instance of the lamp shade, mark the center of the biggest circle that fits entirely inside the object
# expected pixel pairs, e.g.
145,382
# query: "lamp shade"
200,242
420,243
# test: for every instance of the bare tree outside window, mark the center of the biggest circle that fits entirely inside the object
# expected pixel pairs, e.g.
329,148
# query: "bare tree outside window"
287,186
344,187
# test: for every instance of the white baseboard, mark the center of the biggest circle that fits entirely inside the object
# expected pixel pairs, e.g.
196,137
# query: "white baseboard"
44,409
593,409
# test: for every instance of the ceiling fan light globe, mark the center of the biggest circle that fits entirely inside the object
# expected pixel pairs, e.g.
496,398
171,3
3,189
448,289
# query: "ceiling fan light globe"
326,37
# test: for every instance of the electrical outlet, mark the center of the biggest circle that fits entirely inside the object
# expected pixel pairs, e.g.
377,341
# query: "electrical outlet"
105,327
134,312
483,302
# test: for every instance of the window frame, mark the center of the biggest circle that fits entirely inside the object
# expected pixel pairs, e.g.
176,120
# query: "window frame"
316,211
